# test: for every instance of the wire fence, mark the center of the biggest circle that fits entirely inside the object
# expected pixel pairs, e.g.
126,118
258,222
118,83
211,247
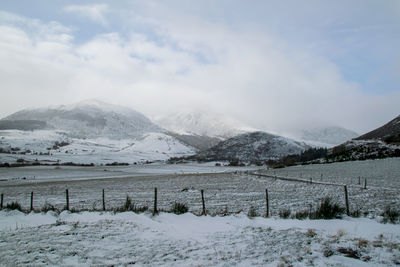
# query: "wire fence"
215,193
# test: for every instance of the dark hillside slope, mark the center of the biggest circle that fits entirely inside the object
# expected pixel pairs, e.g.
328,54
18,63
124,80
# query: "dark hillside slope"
251,147
390,132
23,125
382,142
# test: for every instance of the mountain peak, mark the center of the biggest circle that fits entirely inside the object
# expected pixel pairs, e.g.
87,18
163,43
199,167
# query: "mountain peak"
203,123
90,118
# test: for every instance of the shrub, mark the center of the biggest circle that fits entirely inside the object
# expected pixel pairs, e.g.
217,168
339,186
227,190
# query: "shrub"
362,243
225,211
139,209
234,163
128,206
179,208
14,206
328,252
311,233
48,207
390,215
252,212
284,214
356,213
328,210
349,252
301,215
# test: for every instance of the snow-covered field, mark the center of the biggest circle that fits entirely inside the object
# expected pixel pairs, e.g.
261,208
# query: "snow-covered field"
126,239
148,147
94,238
378,172
224,191
34,174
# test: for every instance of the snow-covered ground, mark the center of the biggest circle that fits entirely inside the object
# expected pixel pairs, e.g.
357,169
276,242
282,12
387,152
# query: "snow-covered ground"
105,238
148,147
224,191
384,173
126,239
35,174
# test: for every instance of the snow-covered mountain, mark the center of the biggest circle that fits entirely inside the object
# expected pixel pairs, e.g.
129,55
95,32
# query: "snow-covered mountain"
90,119
324,136
252,147
201,123
87,132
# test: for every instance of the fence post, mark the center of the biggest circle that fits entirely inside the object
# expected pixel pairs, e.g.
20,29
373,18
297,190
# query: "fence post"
347,200
32,201
104,202
321,176
202,201
67,199
155,201
266,203
365,183
1,203
359,180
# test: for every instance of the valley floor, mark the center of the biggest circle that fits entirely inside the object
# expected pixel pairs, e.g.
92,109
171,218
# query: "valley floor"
106,238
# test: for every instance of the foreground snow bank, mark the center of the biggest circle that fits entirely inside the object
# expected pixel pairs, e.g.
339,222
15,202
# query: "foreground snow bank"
95,238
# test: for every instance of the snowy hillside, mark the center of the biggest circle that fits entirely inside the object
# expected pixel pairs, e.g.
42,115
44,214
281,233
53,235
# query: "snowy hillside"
203,124
252,147
87,132
326,136
382,142
90,119
49,146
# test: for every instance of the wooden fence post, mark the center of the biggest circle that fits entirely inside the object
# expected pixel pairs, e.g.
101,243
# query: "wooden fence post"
346,197
321,176
359,180
365,183
1,202
32,201
266,203
104,202
203,203
155,201
67,199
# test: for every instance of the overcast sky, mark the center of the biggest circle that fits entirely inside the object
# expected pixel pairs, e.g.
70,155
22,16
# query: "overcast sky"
274,65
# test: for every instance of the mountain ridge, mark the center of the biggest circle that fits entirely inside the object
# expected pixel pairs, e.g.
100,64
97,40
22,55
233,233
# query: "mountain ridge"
254,147
203,123
89,119
387,131
91,132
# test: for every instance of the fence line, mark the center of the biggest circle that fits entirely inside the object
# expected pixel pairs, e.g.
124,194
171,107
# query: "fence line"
155,209
292,179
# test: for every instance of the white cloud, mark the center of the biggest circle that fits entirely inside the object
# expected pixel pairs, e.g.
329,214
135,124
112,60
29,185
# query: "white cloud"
253,76
95,12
